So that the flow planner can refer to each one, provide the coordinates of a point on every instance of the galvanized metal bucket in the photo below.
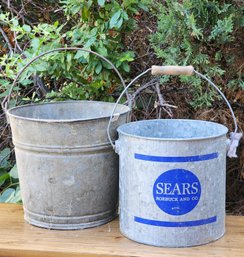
(67, 168)
(172, 179)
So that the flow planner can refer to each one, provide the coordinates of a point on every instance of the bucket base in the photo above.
(69, 223)
(173, 244)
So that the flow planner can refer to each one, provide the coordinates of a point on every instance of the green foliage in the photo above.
(9, 180)
(94, 25)
(199, 33)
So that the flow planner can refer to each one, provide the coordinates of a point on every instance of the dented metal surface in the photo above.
(67, 168)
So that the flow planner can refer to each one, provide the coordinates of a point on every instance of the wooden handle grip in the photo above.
(172, 70)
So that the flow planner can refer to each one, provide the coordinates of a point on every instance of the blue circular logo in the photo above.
(177, 191)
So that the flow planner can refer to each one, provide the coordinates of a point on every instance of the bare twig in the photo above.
(13, 10)
(3, 128)
(58, 10)
(7, 40)
(42, 89)
(141, 88)
(162, 104)
(149, 29)
(77, 82)
(141, 56)
(16, 44)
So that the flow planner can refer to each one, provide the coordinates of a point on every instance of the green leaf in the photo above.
(114, 19)
(143, 6)
(119, 23)
(3, 177)
(85, 13)
(101, 2)
(98, 68)
(125, 15)
(242, 85)
(41, 67)
(56, 23)
(5, 152)
(6, 196)
(75, 9)
(106, 65)
(25, 82)
(127, 56)
(5, 84)
(35, 43)
(126, 67)
(90, 42)
(26, 28)
(15, 22)
(4, 155)
(17, 196)
(102, 50)
(68, 61)
(5, 93)
(14, 172)
(82, 54)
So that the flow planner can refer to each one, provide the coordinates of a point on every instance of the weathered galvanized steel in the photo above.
(172, 181)
(67, 168)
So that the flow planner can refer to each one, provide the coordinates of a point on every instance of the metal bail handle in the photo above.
(5, 103)
(235, 137)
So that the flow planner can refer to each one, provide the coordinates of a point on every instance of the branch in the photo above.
(7, 40)
(17, 44)
(7, 3)
(162, 103)
(141, 88)
(42, 90)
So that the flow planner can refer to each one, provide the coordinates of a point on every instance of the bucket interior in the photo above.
(69, 110)
(174, 129)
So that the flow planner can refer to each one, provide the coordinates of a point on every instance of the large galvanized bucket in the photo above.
(172, 179)
(67, 168)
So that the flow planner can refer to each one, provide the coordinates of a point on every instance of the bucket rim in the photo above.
(225, 130)
(9, 114)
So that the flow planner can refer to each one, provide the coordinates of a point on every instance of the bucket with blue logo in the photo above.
(172, 181)
(172, 175)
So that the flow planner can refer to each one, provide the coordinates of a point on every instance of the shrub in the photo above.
(200, 33)
(96, 25)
